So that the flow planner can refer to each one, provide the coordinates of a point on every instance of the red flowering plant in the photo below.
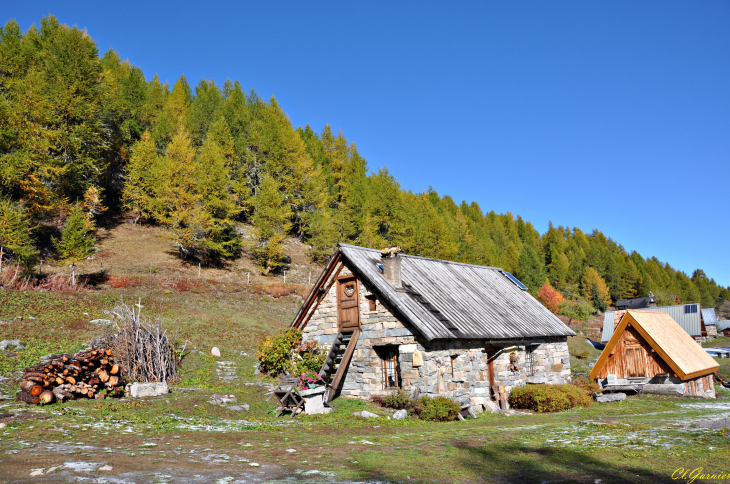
(309, 379)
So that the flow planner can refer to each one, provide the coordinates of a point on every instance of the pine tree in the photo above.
(76, 243)
(271, 221)
(15, 234)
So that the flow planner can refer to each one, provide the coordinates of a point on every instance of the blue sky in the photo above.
(613, 116)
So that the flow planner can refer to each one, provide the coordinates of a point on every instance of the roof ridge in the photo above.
(409, 256)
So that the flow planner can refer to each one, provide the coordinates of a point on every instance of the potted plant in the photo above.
(309, 380)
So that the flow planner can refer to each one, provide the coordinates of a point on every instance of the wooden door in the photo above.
(348, 304)
(635, 361)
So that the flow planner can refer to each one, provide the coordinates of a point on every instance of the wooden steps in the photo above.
(338, 359)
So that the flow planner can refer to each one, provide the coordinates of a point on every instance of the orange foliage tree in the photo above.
(550, 298)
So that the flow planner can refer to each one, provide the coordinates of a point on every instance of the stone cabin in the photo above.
(468, 332)
(649, 352)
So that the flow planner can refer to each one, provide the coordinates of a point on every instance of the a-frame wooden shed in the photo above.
(650, 351)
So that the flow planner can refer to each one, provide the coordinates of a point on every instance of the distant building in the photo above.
(637, 303)
(650, 353)
(709, 319)
(723, 327)
(688, 316)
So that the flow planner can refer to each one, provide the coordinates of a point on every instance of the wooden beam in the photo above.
(313, 294)
(344, 364)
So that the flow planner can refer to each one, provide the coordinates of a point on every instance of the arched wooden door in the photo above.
(348, 304)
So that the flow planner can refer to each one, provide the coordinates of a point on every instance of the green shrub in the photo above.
(311, 360)
(586, 384)
(286, 353)
(397, 399)
(580, 354)
(438, 409)
(549, 398)
(580, 310)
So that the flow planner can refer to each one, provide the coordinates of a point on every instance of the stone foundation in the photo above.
(453, 368)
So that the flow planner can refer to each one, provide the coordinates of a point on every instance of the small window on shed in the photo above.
(372, 302)
(690, 309)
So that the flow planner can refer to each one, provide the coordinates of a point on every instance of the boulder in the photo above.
(239, 408)
(314, 405)
(214, 351)
(365, 414)
(723, 423)
(400, 414)
(222, 399)
(5, 344)
(142, 390)
(491, 407)
(610, 397)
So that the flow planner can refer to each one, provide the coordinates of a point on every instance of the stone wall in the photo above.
(454, 368)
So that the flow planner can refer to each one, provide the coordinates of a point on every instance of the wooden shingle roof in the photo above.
(446, 300)
(677, 348)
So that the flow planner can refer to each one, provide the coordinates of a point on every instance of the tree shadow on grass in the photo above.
(515, 463)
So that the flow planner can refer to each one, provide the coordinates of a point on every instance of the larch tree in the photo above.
(143, 178)
(180, 203)
(271, 219)
(15, 234)
(76, 242)
(594, 288)
(531, 269)
(221, 238)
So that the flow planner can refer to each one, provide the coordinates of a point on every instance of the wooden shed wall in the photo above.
(629, 354)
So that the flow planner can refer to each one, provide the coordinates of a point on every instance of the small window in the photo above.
(390, 370)
(372, 303)
(529, 366)
(690, 309)
(453, 357)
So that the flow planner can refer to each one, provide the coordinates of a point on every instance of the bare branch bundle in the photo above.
(142, 347)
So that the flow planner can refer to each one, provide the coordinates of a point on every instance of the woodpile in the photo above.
(90, 373)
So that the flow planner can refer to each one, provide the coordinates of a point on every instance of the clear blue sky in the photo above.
(607, 115)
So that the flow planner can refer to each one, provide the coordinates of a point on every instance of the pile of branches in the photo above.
(90, 373)
(142, 347)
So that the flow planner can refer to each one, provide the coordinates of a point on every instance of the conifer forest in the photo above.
(84, 136)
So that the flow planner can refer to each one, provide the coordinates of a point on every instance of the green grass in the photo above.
(579, 346)
(642, 443)
(717, 342)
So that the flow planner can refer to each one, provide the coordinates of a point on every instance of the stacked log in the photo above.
(90, 373)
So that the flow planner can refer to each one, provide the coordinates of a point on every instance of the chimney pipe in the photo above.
(391, 261)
